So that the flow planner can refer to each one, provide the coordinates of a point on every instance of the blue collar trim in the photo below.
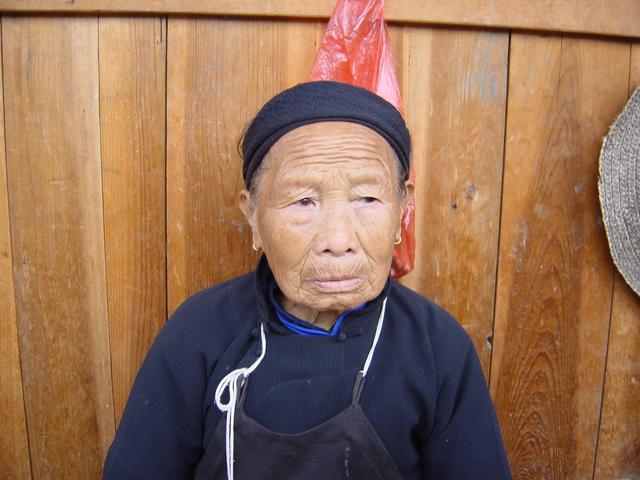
(294, 324)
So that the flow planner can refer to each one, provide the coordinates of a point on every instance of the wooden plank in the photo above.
(455, 87)
(53, 166)
(219, 74)
(619, 440)
(555, 274)
(132, 118)
(634, 74)
(604, 17)
(14, 449)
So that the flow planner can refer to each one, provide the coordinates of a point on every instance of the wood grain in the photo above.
(220, 72)
(14, 449)
(555, 274)
(634, 74)
(53, 165)
(455, 86)
(606, 17)
(132, 120)
(619, 439)
(64, 263)
(618, 453)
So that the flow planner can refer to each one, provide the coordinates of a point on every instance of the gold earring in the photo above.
(255, 249)
(398, 241)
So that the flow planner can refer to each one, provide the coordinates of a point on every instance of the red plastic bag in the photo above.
(356, 50)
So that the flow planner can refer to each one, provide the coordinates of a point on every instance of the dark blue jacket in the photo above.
(425, 393)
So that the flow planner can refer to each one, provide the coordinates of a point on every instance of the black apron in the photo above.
(344, 447)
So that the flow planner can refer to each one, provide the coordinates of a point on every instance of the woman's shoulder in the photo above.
(428, 320)
(423, 310)
(237, 290)
(213, 316)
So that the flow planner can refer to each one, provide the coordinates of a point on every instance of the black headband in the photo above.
(323, 101)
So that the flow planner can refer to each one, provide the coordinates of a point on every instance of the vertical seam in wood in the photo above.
(104, 231)
(13, 278)
(604, 377)
(15, 300)
(504, 157)
(166, 171)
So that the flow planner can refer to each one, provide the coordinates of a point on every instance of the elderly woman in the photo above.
(316, 365)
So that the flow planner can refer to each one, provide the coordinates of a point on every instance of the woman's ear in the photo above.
(409, 188)
(407, 196)
(247, 206)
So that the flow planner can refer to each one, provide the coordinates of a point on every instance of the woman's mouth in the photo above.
(337, 284)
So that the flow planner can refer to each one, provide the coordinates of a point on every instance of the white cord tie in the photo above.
(367, 362)
(230, 381)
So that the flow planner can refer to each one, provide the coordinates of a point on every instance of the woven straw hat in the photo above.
(619, 188)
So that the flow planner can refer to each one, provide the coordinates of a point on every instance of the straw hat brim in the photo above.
(619, 189)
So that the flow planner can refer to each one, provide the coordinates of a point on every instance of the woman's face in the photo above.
(326, 214)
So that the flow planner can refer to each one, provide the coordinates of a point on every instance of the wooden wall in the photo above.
(118, 183)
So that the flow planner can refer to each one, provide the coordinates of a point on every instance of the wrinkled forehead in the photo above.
(332, 146)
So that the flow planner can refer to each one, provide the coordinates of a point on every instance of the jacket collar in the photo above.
(355, 323)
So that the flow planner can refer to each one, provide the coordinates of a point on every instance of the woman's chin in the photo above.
(338, 298)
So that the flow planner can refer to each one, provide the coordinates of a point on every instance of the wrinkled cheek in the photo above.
(287, 251)
(292, 246)
(377, 233)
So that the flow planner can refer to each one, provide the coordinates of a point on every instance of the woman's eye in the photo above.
(305, 202)
(369, 199)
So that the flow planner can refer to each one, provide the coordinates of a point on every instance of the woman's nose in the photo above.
(336, 231)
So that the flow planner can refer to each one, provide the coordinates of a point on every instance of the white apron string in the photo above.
(230, 381)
